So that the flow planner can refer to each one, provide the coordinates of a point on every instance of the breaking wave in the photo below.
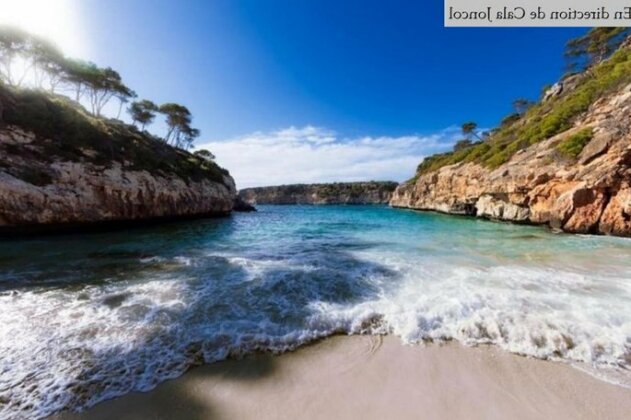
(84, 319)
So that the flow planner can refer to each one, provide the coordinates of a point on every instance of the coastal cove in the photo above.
(252, 210)
(132, 311)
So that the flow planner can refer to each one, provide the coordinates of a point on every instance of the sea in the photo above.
(88, 317)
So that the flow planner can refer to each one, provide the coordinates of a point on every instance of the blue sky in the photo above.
(258, 69)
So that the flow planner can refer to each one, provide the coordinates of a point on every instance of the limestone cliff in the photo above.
(337, 193)
(577, 180)
(61, 168)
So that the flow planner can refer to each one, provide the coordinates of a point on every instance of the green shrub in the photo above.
(543, 120)
(574, 144)
(510, 119)
(497, 160)
(64, 130)
(462, 144)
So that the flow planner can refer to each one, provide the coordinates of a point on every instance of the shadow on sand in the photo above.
(221, 295)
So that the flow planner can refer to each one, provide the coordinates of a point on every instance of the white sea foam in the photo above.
(540, 312)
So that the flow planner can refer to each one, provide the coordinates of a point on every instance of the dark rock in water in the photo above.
(242, 206)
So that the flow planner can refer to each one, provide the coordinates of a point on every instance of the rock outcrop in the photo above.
(337, 193)
(61, 168)
(241, 206)
(587, 194)
(39, 192)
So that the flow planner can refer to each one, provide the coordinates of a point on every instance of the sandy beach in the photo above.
(372, 377)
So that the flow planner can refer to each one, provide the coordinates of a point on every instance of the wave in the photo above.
(71, 348)
(118, 313)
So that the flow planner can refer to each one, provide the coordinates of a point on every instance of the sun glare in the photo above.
(57, 20)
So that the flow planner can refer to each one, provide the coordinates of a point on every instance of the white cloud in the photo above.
(312, 154)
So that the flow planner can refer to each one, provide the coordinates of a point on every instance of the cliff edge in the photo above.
(566, 162)
(61, 167)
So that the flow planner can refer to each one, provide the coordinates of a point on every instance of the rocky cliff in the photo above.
(337, 193)
(566, 163)
(60, 168)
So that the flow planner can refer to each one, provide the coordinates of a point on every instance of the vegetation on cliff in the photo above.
(605, 67)
(32, 75)
(568, 161)
(66, 132)
(574, 144)
(29, 61)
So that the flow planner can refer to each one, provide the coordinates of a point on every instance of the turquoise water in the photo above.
(86, 318)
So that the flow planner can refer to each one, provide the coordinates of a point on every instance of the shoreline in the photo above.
(101, 226)
(374, 377)
(545, 226)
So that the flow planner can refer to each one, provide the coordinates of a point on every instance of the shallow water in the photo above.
(86, 318)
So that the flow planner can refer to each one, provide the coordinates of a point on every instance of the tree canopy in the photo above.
(178, 119)
(23, 55)
(521, 105)
(469, 129)
(26, 59)
(143, 112)
(102, 85)
(593, 47)
(205, 154)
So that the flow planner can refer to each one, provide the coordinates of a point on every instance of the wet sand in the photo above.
(368, 377)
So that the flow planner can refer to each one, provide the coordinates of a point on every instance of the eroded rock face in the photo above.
(591, 194)
(66, 193)
(616, 217)
(499, 208)
(337, 193)
(242, 206)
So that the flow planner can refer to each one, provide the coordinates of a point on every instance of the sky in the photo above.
(288, 91)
